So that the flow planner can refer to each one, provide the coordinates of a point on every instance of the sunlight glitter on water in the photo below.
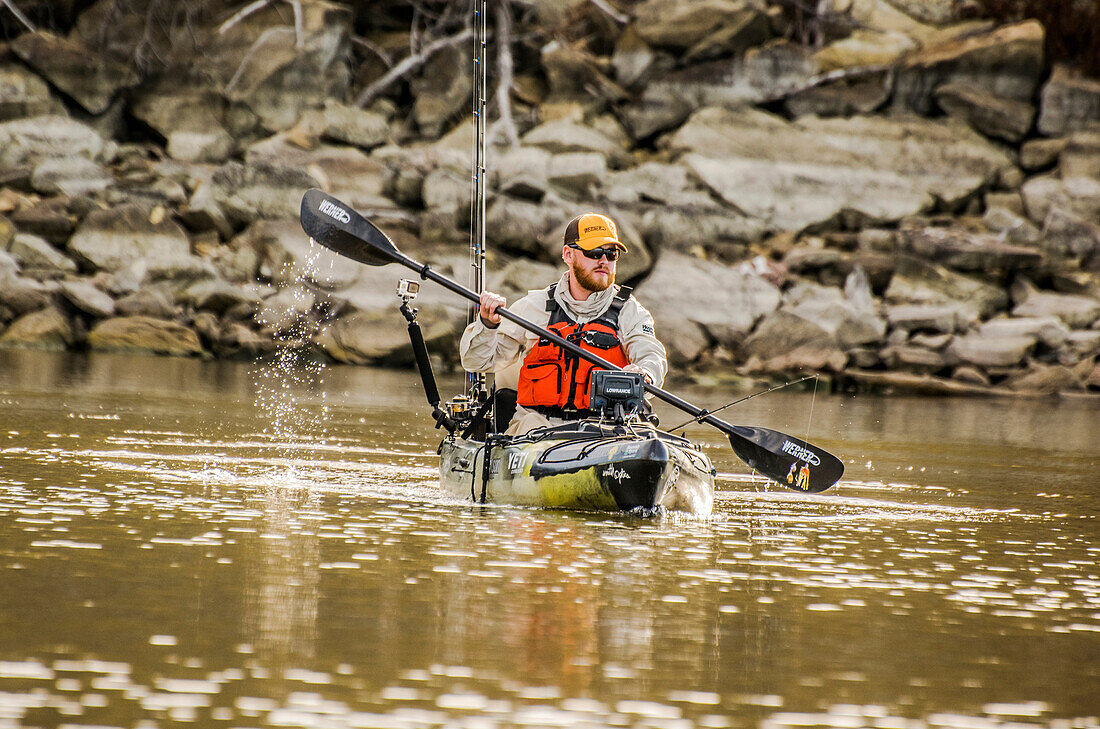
(252, 578)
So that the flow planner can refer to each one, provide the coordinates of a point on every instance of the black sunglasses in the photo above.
(597, 253)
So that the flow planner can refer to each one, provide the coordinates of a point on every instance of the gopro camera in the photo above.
(407, 289)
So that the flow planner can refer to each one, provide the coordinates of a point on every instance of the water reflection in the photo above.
(167, 556)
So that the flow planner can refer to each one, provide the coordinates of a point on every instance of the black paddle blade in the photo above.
(787, 460)
(335, 225)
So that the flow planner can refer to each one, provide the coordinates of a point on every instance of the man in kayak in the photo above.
(585, 307)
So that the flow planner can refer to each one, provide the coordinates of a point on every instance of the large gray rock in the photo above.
(23, 94)
(286, 256)
(87, 298)
(521, 172)
(1081, 155)
(650, 181)
(71, 176)
(8, 265)
(520, 225)
(346, 124)
(1070, 101)
(986, 352)
(864, 48)
(142, 335)
(796, 175)
(381, 337)
(345, 172)
(963, 250)
(1079, 195)
(191, 117)
(51, 218)
(577, 174)
(36, 138)
(564, 135)
(111, 239)
(992, 115)
(856, 93)
(1080, 345)
(678, 26)
(274, 73)
(18, 295)
(36, 253)
(1048, 330)
(217, 296)
(261, 190)
(634, 61)
(1071, 235)
(1046, 380)
(785, 341)
(945, 317)
(762, 75)
(286, 313)
(46, 329)
(448, 190)
(442, 91)
(152, 302)
(918, 282)
(725, 302)
(574, 74)
(1010, 223)
(1005, 62)
(937, 12)
(849, 318)
(684, 227)
(372, 330)
(1078, 312)
(91, 79)
(914, 357)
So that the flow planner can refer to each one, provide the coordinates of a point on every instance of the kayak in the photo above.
(585, 465)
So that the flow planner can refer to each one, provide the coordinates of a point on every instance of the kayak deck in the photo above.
(587, 465)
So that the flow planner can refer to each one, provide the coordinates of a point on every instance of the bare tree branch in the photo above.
(605, 7)
(505, 72)
(369, 94)
(244, 13)
(19, 15)
(299, 30)
(374, 48)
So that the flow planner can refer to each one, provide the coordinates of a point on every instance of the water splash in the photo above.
(295, 365)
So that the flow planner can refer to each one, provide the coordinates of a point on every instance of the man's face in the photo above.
(593, 275)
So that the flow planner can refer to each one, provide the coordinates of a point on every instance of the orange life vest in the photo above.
(556, 379)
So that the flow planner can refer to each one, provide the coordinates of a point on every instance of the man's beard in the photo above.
(587, 281)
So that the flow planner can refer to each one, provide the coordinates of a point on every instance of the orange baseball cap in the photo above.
(591, 231)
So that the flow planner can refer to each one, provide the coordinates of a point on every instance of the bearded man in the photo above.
(585, 307)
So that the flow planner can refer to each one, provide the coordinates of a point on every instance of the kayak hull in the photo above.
(585, 466)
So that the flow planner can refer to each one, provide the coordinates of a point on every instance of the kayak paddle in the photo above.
(782, 458)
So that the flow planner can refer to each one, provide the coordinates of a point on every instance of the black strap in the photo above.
(609, 318)
(562, 413)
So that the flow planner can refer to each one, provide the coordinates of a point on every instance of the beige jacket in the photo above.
(502, 350)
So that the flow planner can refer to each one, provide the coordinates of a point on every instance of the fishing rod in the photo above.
(741, 400)
(475, 381)
(782, 458)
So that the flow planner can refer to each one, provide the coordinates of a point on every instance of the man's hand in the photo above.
(635, 368)
(487, 308)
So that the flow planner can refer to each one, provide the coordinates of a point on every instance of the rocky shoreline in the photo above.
(910, 202)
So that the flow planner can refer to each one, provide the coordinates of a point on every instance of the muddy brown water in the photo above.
(188, 543)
